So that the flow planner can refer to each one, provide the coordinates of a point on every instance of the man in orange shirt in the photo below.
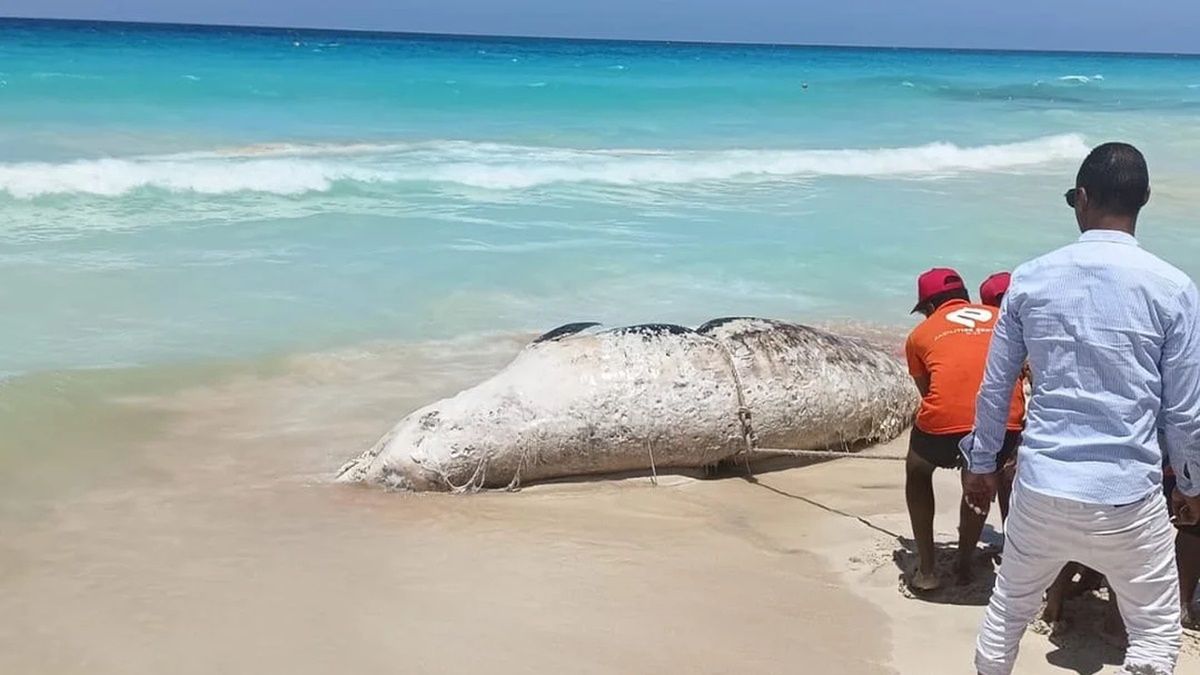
(946, 355)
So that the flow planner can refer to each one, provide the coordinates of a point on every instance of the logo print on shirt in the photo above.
(969, 316)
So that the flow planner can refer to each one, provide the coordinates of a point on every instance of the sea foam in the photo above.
(289, 169)
(114, 177)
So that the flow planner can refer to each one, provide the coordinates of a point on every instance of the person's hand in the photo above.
(1187, 509)
(979, 489)
(1009, 470)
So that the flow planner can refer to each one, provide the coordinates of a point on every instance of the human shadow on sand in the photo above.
(1084, 645)
(905, 557)
(975, 593)
(1080, 642)
(1081, 647)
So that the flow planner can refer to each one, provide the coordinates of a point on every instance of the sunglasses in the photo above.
(1071, 196)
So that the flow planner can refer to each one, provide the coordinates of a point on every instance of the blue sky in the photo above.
(1109, 25)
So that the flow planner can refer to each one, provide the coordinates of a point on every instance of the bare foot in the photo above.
(1060, 627)
(925, 581)
(1191, 619)
(1052, 613)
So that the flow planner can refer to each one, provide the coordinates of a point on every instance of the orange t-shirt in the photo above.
(950, 348)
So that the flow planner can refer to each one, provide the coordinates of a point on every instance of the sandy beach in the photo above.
(213, 540)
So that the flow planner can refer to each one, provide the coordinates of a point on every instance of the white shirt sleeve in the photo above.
(1180, 370)
(1006, 358)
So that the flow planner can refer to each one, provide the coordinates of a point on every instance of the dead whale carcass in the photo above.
(581, 400)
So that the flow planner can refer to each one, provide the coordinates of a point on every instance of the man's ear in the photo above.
(1147, 199)
(1081, 200)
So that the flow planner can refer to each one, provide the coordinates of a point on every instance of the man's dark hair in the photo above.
(1116, 179)
(942, 298)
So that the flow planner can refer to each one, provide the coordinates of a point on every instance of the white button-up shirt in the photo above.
(1112, 337)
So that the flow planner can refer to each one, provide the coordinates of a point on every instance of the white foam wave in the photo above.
(697, 167)
(1081, 79)
(286, 169)
(113, 177)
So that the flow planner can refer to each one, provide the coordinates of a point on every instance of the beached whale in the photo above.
(582, 400)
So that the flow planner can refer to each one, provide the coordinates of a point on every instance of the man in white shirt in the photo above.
(1112, 337)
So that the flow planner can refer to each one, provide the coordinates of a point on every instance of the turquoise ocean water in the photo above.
(180, 194)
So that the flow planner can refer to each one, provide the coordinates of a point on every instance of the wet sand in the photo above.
(205, 536)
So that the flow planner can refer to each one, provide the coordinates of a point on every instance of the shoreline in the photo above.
(220, 527)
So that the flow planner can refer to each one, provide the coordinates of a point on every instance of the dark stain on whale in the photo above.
(566, 330)
(709, 326)
(769, 332)
(649, 330)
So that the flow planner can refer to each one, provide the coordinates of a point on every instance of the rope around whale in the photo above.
(743, 410)
(750, 439)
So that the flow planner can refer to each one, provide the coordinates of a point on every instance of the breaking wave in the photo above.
(286, 169)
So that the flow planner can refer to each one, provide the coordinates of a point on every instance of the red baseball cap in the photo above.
(937, 280)
(993, 287)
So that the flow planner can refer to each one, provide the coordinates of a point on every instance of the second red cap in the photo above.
(993, 287)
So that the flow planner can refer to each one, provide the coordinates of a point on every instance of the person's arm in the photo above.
(916, 366)
(922, 383)
(1006, 358)
(1180, 370)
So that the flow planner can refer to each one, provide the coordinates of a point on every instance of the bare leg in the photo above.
(1113, 628)
(918, 492)
(1187, 556)
(1007, 475)
(1054, 597)
(1089, 580)
(970, 526)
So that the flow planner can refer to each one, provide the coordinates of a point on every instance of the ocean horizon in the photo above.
(402, 34)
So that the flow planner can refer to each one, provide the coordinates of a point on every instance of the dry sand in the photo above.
(215, 543)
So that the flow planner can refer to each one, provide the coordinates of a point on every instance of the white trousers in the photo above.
(1134, 546)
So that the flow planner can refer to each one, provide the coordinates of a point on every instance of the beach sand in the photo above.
(214, 541)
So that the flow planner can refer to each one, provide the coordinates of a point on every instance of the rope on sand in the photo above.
(828, 454)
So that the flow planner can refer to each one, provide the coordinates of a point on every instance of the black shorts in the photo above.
(941, 450)
(1168, 488)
